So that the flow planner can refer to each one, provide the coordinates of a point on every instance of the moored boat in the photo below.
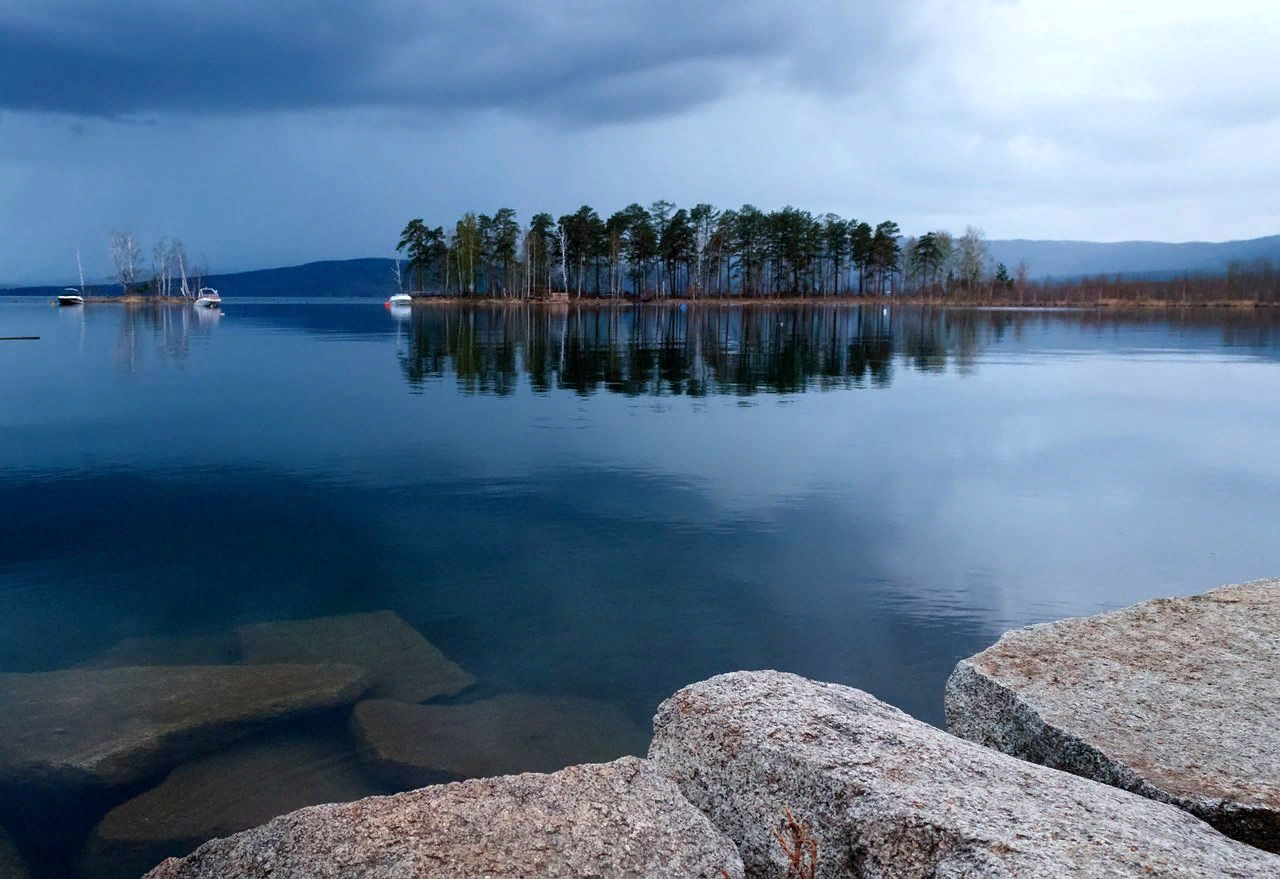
(208, 298)
(70, 297)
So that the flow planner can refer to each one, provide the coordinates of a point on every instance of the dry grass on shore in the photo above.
(135, 299)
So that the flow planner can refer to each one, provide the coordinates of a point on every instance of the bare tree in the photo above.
(971, 257)
(178, 256)
(1021, 275)
(126, 254)
(395, 273)
(160, 271)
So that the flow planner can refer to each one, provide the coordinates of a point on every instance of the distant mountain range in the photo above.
(1076, 258)
(1057, 259)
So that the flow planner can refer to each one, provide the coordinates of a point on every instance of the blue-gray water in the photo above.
(613, 503)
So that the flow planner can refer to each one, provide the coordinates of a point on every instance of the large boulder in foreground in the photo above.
(401, 663)
(223, 794)
(884, 795)
(1177, 699)
(618, 819)
(79, 729)
(413, 745)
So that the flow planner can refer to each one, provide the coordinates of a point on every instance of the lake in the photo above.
(583, 510)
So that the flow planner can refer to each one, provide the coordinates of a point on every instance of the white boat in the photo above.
(400, 299)
(208, 298)
(69, 296)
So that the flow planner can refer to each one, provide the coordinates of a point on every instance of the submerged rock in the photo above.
(401, 663)
(413, 745)
(11, 863)
(871, 792)
(219, 649)
(223, 794)
(78, 729)
(614, 820)
(1177, 699)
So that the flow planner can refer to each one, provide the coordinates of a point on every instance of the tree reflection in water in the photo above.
(708, 350)
(161, 329)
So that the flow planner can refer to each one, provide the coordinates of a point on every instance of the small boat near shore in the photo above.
(70, 297)
(399, 299)
(208, 298)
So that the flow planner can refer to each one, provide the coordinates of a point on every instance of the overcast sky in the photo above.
(275, 133)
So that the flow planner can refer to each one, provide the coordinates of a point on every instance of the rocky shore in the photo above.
(1163, 716)
(1174, 699)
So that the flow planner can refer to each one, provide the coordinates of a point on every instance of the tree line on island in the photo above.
(664, 251)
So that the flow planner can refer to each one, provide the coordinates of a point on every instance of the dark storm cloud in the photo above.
(585, 60)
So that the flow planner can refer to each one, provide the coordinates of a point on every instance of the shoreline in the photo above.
(748, 771)
(134, 299)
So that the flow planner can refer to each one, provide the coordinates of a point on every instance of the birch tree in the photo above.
(971, 257)
(178, 255)
(126, 255)
(562, 240)
(160, 267)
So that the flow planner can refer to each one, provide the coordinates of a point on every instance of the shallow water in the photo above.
(611, 503)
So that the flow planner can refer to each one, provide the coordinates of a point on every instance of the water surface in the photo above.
(611, 503)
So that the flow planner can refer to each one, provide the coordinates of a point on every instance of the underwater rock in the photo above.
(401, 663)
(219, 649)
(223, 794)
(413, 745)
(82, 729)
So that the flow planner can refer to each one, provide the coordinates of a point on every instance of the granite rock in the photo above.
(82, 729)
(401, 663)
(223, 794)
(884, 795)
(413, 745)
(216, 649)
(618, 819)
(1176, 699)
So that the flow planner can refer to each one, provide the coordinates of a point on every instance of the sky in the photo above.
(278, 133)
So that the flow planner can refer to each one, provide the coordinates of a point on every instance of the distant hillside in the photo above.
(349, 277)
(1136, 258)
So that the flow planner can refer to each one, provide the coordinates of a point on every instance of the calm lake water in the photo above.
(608, 504)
